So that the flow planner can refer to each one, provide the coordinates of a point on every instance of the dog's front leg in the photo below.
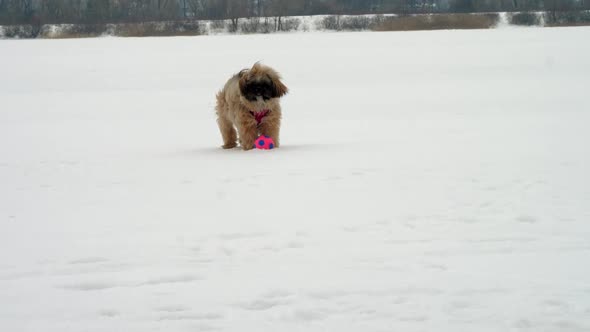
(272, 131)
(271, 126)
(248, 133)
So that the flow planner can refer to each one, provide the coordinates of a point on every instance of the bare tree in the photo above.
(236, 9)
(166, 9)
(93, 11)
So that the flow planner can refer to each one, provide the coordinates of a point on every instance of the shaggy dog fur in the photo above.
(249, 102)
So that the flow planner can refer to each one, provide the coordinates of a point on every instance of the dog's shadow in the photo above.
(218, 151)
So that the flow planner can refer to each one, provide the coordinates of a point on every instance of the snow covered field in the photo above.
(427, 181)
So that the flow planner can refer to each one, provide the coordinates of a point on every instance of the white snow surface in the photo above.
(427, 181)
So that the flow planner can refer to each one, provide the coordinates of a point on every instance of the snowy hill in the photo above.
(427, 181)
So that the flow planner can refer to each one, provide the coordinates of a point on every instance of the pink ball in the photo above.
(264, 143)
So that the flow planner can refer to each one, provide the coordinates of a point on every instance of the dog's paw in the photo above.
(229, 145)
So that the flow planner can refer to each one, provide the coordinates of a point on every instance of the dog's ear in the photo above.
(279, 89)
(242, 73)
(243, 81)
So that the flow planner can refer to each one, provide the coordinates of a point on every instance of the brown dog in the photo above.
(249, 102)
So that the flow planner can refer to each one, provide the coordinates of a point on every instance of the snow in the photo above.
(427, 181)
(503, 20)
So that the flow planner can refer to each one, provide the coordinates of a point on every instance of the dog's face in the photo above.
(261, 84)
(261, 87)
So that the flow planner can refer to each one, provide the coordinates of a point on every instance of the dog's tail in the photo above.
(221, 104)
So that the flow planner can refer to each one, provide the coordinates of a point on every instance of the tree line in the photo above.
(121, 11)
